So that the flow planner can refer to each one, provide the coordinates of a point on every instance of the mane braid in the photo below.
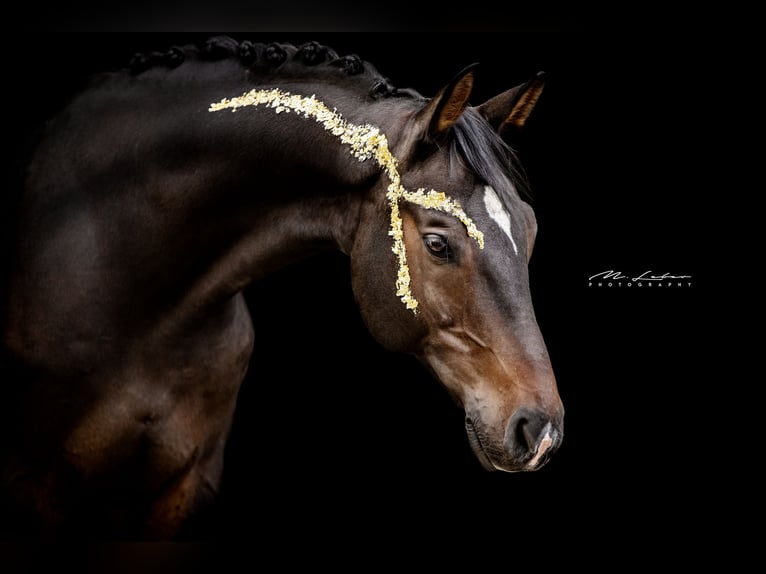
(309, 58)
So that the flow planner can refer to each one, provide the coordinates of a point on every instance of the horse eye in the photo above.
(437, 245)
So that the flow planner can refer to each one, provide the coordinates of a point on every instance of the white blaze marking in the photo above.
(498, 213)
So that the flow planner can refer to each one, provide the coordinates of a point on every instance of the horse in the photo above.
(164, 189)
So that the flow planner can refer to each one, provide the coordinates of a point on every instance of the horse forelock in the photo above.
(309, 60)
(476, 145)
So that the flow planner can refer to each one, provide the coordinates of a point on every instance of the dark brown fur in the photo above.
(144, 217)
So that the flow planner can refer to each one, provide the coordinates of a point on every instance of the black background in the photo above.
(337, 437)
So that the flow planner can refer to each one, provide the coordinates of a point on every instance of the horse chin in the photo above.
(478, 448)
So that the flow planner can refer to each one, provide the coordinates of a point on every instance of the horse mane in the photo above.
(307, 60)
(479, 146)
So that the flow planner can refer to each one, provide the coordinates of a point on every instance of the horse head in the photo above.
(451, 283)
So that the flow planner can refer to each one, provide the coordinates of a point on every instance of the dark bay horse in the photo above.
(163, 190)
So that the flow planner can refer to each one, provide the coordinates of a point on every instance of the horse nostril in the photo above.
(529, 435)
(525, 435)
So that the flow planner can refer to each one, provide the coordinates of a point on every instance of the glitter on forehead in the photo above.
(366, 142)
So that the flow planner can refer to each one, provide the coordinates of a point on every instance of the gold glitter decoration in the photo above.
(366, 142)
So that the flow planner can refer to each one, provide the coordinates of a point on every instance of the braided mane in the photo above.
(475, 144)
(310, 59)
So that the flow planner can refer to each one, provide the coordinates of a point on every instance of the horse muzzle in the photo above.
(529, 441)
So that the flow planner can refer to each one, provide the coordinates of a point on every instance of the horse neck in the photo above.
(224, 198)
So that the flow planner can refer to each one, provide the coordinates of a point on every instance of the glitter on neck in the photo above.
(365, 142)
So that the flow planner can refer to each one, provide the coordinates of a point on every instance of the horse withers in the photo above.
(163, 190)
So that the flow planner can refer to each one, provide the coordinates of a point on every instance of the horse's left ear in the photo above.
(509, 111)
(444, 109)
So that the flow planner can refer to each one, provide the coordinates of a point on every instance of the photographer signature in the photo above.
(645, 276)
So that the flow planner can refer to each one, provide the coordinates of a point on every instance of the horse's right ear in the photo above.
(444, 109)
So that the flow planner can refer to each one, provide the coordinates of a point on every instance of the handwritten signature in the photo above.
(645, 276)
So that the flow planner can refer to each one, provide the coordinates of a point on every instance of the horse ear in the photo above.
(509, 111)
(444, 109)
